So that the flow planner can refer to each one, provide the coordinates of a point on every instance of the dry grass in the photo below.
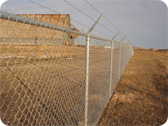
(140, 97)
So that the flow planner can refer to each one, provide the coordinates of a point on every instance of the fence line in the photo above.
(48, 83)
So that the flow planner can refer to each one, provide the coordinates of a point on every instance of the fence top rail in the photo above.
(14, 17)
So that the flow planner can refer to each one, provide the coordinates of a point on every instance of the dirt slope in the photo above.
(140, 98)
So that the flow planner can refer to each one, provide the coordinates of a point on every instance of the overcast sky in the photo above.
(143, 22)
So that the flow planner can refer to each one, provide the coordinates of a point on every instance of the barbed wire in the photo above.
(70, 18)
(104, 16)
(100, 13)
(43, 6)
(88, 16)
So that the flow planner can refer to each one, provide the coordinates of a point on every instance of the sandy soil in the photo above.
(45, 85)
(140, 98)
(46, 81)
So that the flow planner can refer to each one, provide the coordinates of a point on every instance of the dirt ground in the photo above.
(48, 83)
(45, 85)
(37, 84)
(140, 97)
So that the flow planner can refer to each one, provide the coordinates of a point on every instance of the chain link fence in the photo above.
(43, 71)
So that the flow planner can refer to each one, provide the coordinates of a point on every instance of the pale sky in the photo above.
(144, 22)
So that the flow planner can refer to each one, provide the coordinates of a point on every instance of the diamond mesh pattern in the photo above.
(42, 73)
(42, 78)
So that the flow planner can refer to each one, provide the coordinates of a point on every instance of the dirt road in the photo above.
(140, 98)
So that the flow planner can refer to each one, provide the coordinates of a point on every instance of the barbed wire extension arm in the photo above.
(103, 16)
(88, 16)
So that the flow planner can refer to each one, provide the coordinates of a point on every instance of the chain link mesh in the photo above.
(99, 75)
(42, 73)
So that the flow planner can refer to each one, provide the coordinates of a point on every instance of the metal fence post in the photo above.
(87, 68)
(119, 61)
(87, 78)
(111, 67)
(123, 56)
(111, 64)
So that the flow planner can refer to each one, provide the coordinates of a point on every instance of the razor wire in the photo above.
(43, 71)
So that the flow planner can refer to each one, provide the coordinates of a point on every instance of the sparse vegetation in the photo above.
(140, 97)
